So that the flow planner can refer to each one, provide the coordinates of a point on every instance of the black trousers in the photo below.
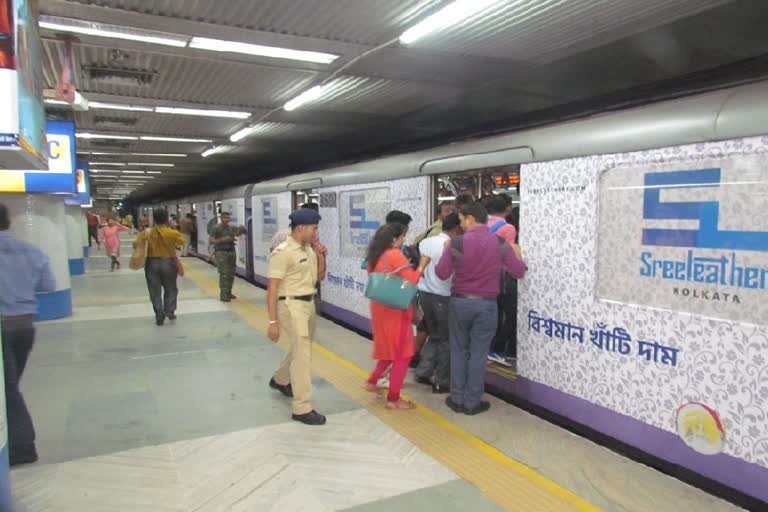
(436, 353)
(93, 234)
(505, 341)
(18, 338)
(161, 276)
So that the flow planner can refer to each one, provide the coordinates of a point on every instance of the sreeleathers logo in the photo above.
(723, 269)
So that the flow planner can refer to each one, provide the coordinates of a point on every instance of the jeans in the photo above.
(436, 354)
(472, 326)
(161, 276)
(18, 339)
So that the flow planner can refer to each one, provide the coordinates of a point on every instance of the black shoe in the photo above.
(415, 360)
(440, 390)
(311, 418)
(160, 320)
(423, 380)
(171, 316)
(225, 299)
(454, 406)
(232, 297)
(286, 389)
(481, 407)
(24, 454)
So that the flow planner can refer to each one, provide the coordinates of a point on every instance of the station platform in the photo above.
(135, 417)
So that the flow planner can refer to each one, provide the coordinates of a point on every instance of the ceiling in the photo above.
(514, 63)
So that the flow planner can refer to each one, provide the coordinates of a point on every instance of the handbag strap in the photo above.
(386, 264)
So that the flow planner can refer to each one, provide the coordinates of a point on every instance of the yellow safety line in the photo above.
(492, 480)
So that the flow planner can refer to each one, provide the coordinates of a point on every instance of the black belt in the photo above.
(474, 297)
(305, 298)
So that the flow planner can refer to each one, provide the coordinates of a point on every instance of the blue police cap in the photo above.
(304, 216)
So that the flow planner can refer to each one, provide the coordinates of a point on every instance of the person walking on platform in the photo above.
(93, 228)
(186, 225)
(223, 238)
(295, 268)
(160, 267)
(434, 295)
(392, 332)
(476, 260)
(110, 237)
(24, 270)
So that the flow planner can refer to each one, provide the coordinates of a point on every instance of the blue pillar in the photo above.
(40, 220)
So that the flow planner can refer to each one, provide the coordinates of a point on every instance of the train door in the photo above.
(305, 196)
(501, 184)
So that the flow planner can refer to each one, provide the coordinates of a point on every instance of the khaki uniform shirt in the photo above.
(221, 231)
(296, 266)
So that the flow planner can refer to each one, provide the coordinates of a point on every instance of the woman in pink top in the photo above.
(111, 240)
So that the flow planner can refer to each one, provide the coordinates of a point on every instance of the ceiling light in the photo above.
(102, 136)
(132, 172)
(305, 97)
(119, 106)
(56, 102)
(107, 163)
(112, 31)
(452, 14)
(202, 112)
(174, 139)
(154, 172)
(152, 165)
(158, 154)
(217, 149)
(220, 45)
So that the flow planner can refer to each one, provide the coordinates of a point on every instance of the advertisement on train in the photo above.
(690, 238)
(205, 214)
(650, 301)
(347, 228)
(270, 216)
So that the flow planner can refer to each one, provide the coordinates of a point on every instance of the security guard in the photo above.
(295, 267)
(223, 239)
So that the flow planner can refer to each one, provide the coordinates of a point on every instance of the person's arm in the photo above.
(120, 227)
(513, 264)
(320, 252)
(47, 282)
(397, 260)
(273, 332)
(444, 267)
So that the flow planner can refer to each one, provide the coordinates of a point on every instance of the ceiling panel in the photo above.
(369, 22)
(105, 120)
(540, 31)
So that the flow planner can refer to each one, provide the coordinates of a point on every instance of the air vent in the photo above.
(104, 122)
(119, 76)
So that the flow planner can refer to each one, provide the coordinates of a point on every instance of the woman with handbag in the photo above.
(110, 238)
(392, 279)
(162, 265)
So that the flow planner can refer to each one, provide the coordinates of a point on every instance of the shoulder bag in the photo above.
(139, 255)
(389, 289)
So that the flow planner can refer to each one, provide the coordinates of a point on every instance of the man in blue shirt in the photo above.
(24, 270)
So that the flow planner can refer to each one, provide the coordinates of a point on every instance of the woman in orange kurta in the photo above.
(392, 333)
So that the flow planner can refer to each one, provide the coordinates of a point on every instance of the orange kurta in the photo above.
(392, 331)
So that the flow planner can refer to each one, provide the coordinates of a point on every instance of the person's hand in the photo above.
(321, 249)
(423, 262)
(273, 333)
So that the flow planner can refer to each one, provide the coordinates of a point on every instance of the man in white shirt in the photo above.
(434, 293)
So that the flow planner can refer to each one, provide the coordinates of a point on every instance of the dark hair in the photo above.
(464, 199)
(225, 213)
(398, 217)
(477, 211)
(444, 204)
(5, 220)
(486, 201)
(160, 216)
(382, 240)
(311, 206)
(499, 204)
(189, 215)
(452, 221)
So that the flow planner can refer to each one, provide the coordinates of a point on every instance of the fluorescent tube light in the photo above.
(111, 31)
(174, 139)
(202, 112)
(220, 45)
(451, 14)
(305, 97)
(151, 165)
(55, 102)
(132, 172)
(119, 106)
(241, 134)
(107, 163)
(102, 136)
(159, 154)
(154, 172)
(216, 149)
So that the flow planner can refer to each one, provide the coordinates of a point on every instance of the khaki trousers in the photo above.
(297, 328)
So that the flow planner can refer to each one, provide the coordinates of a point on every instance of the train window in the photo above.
(301, 197)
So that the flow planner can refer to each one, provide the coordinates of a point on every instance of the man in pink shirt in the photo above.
(497, 211)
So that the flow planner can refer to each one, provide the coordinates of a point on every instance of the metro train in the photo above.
(644, 313)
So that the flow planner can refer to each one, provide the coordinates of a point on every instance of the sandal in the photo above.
(401, 404)
(371, 388)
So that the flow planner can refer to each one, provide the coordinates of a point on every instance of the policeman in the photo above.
(24, 270)
(295, 267)
(223, 239)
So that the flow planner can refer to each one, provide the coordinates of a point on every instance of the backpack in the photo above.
(507, 283)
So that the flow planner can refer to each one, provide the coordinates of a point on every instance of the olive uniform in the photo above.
(226, 257)
(296, 267)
